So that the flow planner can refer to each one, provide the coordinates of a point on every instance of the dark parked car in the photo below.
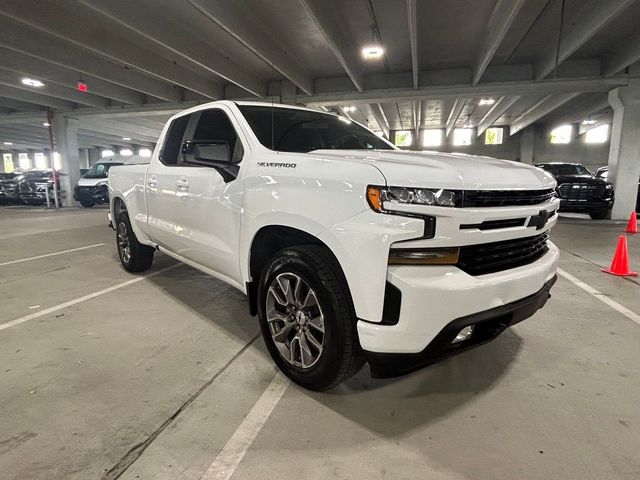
(28, 187)
(3, 196)
(603, 173)
(579, 191)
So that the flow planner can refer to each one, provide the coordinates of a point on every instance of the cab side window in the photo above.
(173, 140)
(215, 125)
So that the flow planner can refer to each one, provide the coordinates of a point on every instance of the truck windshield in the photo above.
(559, 169)
(293, 130)
(99, 170)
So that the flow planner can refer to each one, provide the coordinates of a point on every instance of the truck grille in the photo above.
(505, 198)
(581, 191)
(499, 256)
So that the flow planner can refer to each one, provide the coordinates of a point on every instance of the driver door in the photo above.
(210, 198)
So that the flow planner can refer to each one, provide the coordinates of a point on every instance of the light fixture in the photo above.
(350, 108)
(372, 52)
(8, 143)
(589, 122)
(487, 101)
(126, 152)
(46, 124)
(126, 138)
(32, 82)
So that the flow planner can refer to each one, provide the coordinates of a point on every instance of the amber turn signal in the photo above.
(424, 256)
(374, 197)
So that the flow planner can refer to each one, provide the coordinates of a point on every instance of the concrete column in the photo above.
(624, 151)
(527, 142)
(288, 92)
(65, 131)
(94, 156)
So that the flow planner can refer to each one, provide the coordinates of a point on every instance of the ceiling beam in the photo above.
(592, 16)
(380, 118)
(454, 114)
(45, 47)
(583, 108)
(22, 106)
(334, 32)
(502, 17)
(115, 131)
(495, 112)
(35, 98)
(32, 67)
(626, 55)
(250, 32)
(539, 110)
(547, 87)
(127, 129)
(186, 43)
(13, 79)
(113, 41)
(413, 37)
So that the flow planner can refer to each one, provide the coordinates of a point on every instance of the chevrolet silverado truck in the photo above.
(349, 249)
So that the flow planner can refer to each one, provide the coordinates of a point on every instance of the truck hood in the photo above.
(447, 170)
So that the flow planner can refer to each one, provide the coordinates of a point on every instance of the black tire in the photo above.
(341, 356)
(599, 214)
(139, 257)
(87, 204)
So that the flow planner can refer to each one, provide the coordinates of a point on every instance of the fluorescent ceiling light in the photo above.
(8, 143)
(487, 101)
(350, 109)
(588, 122)
(373, 51)
(32, 82)
(46, 124)
(126, 138)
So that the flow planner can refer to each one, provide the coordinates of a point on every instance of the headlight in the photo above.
(413, 196)
(102, 183)
(609, 186)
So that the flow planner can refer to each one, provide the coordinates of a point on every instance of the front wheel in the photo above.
(134, 256)
(307, 318)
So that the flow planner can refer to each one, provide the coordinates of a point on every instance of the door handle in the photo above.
(152, 182)
(182, 183)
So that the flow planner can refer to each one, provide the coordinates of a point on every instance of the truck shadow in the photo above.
(395, 406)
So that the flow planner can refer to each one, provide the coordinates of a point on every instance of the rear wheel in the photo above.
(599, 214)
(134, 256)
(307, 319)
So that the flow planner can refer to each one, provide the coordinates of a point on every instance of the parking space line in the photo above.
(51, 254)
(84, 298)
(631, 315)
(235, 449)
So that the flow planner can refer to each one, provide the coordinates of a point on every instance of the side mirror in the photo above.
(208, 153)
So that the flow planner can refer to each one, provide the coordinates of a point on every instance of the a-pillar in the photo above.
(65, 132)
(624, 152)
(527, 141)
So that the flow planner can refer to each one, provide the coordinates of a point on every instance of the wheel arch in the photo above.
(269, 240)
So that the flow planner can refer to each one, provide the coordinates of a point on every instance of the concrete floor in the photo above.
(150, 380)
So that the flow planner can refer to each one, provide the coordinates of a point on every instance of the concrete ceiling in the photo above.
(146, 59)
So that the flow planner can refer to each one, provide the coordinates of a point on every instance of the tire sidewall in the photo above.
(323, 372)
(124, 218)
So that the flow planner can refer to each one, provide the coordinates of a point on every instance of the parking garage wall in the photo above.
(590, 155)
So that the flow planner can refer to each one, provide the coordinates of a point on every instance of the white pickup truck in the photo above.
(349, 249)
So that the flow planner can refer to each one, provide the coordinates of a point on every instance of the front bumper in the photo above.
(434, 296)
(569, 205)
(98, 194)
(487, 326)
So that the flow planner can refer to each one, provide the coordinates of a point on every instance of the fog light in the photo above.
(464, 334)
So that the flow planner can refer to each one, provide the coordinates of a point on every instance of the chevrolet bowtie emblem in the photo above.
(540, 220)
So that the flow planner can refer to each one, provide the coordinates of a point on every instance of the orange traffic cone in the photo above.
(632, 226)
(620, 262)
